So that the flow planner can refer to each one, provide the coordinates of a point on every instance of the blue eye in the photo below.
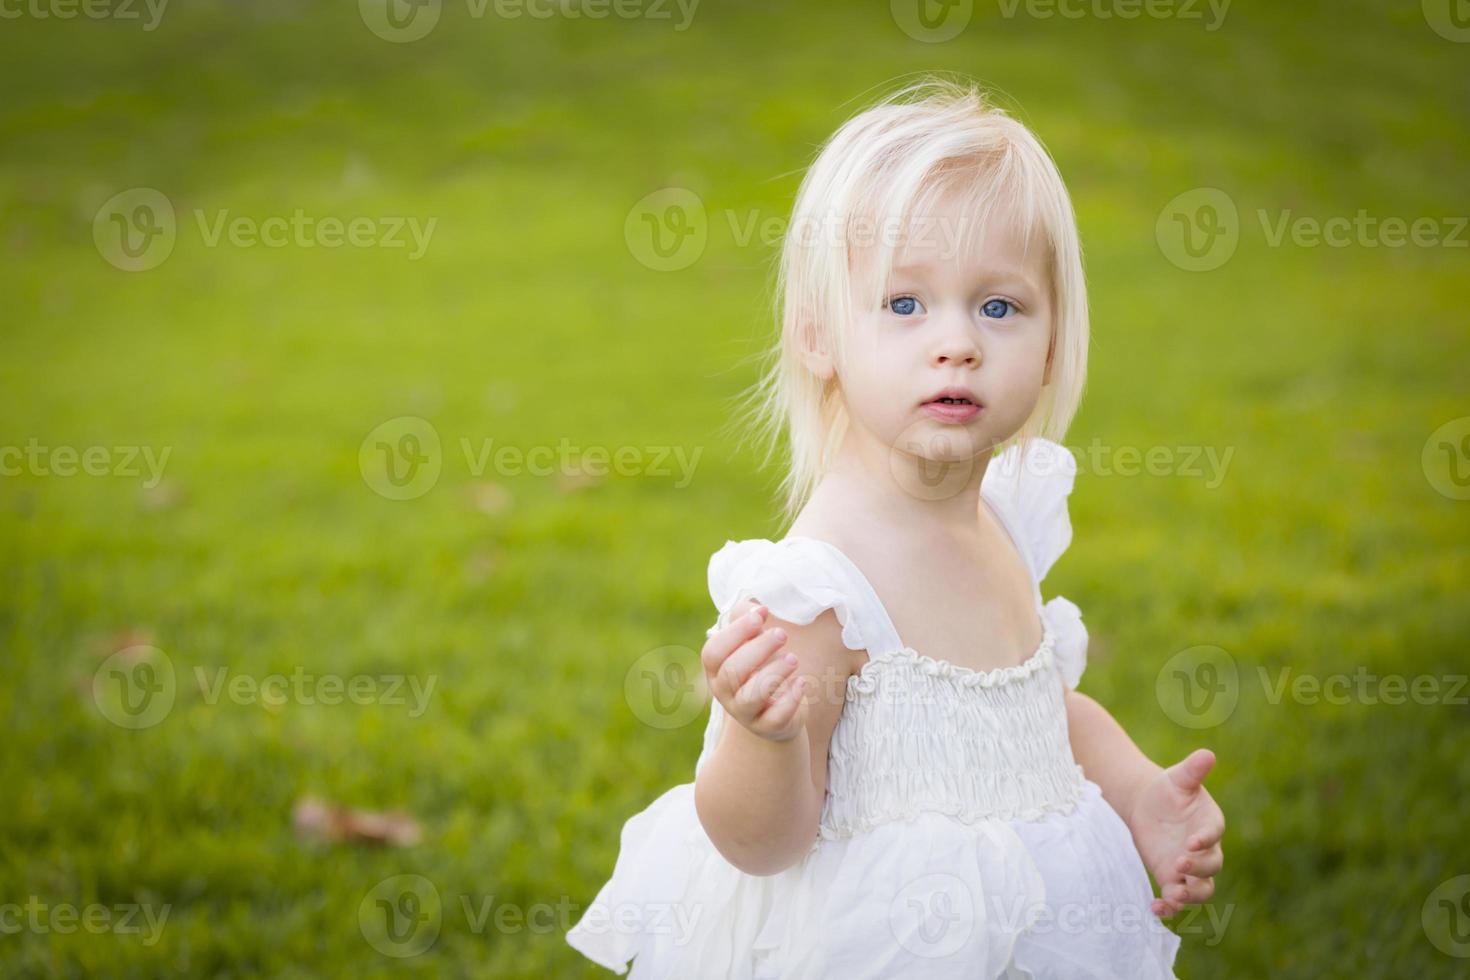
(904, 305)
(997, 308)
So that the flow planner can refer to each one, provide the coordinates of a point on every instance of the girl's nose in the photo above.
(958, 346)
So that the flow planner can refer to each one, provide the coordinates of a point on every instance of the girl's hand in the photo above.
(1177, 827)
(747, 672)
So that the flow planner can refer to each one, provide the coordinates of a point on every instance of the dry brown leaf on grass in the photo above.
(478, 566)
(316, 819)
(129, 639)
(132, 645)
(570, 480)
(164, 495)
(489, 498)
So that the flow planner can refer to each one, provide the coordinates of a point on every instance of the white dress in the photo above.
(958, 838)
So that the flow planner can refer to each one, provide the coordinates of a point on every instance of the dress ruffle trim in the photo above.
(863, 682)
(793, 585)
(1070, 637)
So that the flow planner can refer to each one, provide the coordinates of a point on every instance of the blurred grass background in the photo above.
(530, 319)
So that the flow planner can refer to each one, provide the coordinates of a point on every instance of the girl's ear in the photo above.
(814, 354)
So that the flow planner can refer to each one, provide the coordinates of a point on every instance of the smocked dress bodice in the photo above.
(920, 735)
(916, 734)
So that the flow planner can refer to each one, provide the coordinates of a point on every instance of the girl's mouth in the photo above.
(952, 409)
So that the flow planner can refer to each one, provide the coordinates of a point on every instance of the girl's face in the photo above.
(976, 320)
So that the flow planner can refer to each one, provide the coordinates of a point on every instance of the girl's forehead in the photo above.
(951, 247)
(947, 240)
(964, 224)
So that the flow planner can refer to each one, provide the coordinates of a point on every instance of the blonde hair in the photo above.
(887, 163)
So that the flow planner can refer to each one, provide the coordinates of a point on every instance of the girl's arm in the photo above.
(759, 798)
(1107, 755)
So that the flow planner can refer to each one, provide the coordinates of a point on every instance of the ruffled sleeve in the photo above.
(1065, 620)
(796, 579)
(1033, 491)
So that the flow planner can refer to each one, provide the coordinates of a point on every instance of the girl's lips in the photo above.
(948, 412)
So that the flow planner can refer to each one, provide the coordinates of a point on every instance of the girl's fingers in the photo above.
(1205, 865)
(737, 668)
(728, 639)
(754, 653)
(1192, 891)
(1207, 838)
(1198, 890)
(762, 686)
(784, 706)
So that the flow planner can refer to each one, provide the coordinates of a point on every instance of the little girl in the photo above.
(911, 787)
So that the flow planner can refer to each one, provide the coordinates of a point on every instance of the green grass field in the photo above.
(1327, 546)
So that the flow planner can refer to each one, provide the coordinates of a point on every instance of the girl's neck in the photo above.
(871, 481)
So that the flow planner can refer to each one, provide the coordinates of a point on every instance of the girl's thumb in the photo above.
(1190, 772)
